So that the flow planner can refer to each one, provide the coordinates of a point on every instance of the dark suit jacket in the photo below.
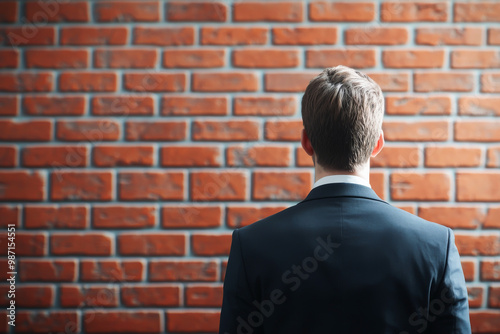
(344, 261)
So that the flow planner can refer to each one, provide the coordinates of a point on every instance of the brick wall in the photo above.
(137, 135)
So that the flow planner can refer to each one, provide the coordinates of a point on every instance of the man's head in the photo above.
(342, 111)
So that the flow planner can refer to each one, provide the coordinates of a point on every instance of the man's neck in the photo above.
(362, 171)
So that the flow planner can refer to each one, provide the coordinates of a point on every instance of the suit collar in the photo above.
(342, 190)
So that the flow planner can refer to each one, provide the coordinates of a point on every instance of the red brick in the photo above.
(153, 295)
(391, 81)
(155, 82)
(289, 186)
(414, 11)
(449, 36)
(477, 12)
(89, 244)
(493, 157)
(127, 11)
(304, 35)
(81, 186)
(202, 295)
(469, 269)
(151, 186)
(122, 321)
(192, 321)
(93, 36)
(378, 182)
(266, 156)
(128, 105)
(240, 216)
(55, 217)
(54, 156)
(47, 270)
(475, 245)
(125, 58)
(87, 82)
(54, 105)
(193, 58)
(77, 296)
(8, 156)
(112, 271)
(492, 218)
(26, 82)
(415, 105)
(48, 322)
(475, 187)
(416, 131)
(114, 156)
(494, 36)
(163, 36)
(218, 186)
(34, 296)
(420, 186)
(376, 36)
(22, 186)
(413, 58)
(25, 130)
(9, 58)
(233, 35)
(269, 12)
(156, 131)
(151, 244)
(285, 130)
(28, 244)
(123, 217)
(475, 59)
(8, 105)
(193, 106)
(182, 271)
(479, 106)
(288, 82)
(42, 12)
(88, 130)
(25, 35)
(478, 131)
(453, 216)
(190, 156)
(490, 270)
(9, 11)
(190, 216)
(494, 296)
(490, 82)
(226, 130)
(10, 215)
(357, 58)
(210, 244)
(264, 106)
(56, 59)
(392, 156)
(196, 11)
(475, 296)
(225, 82)
(342, 12)
(265, 58)
(452, 156)
(302, 159)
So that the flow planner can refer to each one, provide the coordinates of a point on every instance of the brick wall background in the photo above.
(137, 135)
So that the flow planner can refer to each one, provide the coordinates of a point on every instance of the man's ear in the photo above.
(379, 145)
(306, 143)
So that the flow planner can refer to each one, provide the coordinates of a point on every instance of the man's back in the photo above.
(344, 261)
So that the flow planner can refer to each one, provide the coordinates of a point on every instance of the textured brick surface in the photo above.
(137, 135)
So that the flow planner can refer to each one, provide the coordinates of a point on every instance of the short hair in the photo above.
(342, 111)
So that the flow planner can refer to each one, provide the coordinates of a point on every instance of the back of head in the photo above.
(342, 111)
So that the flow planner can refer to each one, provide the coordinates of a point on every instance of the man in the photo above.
(343, 260)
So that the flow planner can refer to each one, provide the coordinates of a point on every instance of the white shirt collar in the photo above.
(341, 179)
